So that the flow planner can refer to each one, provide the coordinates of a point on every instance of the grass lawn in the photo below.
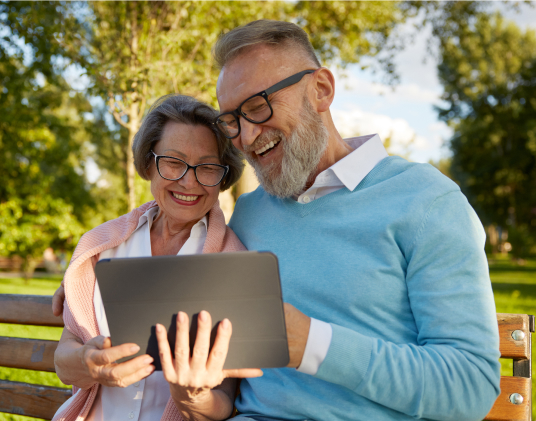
(514, 287)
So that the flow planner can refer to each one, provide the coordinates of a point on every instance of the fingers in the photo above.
(106, 356)
(127, 373)
(202, 341)
(165, 353)
(57, 301)
(242, 373)
(221, 346)
(182, 343)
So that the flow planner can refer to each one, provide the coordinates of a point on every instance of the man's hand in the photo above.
(297, 325)
(57, 301)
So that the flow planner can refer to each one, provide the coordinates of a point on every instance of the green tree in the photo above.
(488, 71)
(45, 130)
(134, 52)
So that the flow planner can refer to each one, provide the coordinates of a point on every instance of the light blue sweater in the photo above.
(397, 267)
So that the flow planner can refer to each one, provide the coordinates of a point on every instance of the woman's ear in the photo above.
(323, 89)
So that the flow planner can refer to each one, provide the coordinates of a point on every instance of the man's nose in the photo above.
(248, 132)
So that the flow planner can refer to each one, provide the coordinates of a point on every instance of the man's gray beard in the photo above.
(302, 152)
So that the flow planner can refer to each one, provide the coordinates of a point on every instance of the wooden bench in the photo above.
(515, 401)
(33, 354)
(513, 404)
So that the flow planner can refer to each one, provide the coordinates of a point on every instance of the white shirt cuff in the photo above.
(317, 347)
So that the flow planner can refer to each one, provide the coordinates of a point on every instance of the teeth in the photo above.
(266, 147)
(185, 198)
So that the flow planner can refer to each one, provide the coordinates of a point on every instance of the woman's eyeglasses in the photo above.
(173, 169)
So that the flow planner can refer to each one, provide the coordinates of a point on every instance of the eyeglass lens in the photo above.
(206, 174)
(255, 109)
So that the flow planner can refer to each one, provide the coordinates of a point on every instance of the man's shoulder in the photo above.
(419, 178)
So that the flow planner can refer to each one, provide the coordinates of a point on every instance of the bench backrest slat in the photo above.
(503, 409)
(510, 348)
(516, 346)
(31, 400)
(31, 354)
(28, 310)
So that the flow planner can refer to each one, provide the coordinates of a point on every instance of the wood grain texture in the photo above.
(503, 409)
(31, 354)
(28, 310)
(31, 400)
(508, 347)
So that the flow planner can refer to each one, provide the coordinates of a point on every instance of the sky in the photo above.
(364, 105)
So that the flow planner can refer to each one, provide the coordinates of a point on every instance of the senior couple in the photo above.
(389, 309)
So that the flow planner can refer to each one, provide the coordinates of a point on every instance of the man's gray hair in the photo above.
(186, 110)
(271, 32)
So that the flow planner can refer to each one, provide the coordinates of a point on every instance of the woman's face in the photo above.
(185, 201)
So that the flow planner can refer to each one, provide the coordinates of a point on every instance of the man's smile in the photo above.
(266, 149)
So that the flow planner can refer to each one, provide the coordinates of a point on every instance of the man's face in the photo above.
(285, 150)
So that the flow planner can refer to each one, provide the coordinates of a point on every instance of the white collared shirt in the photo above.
(146, 399)
(345, 173)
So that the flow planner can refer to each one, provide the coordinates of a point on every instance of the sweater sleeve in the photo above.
(452, 372)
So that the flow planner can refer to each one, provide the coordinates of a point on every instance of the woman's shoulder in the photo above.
(111, 233)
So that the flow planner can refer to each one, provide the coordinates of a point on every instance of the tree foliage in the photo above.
(45, 129)
(488, 71)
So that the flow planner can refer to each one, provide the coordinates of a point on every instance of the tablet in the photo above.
(242, 286)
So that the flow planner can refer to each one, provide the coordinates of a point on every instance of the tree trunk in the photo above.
(133, 109)
(131, 171)
(28, 268)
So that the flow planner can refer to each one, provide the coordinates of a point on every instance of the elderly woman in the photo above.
(188, 163)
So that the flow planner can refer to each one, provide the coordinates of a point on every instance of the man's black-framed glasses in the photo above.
(173, 169)
(255, 109)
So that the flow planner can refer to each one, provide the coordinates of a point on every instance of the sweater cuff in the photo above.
(348, 358)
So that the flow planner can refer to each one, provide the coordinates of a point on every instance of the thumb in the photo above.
(99, 342)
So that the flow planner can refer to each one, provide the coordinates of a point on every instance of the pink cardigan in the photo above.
(79, 282)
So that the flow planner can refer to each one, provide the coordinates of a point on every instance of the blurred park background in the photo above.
(450, 83)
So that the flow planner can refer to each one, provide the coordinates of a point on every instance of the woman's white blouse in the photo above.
(146, 399)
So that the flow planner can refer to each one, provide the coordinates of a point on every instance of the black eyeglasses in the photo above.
(173, 169)
(255, 109)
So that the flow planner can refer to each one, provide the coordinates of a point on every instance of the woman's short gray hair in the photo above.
(186, 110)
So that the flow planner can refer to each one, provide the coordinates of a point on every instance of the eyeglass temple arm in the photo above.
(288, 81)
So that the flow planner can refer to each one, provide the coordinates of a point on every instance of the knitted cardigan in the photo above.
(79, 283)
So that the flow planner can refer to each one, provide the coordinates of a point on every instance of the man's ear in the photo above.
(323, 89)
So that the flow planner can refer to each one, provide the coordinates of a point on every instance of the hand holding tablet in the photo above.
(243, 287)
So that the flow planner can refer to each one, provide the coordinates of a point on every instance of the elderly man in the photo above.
(390, 313)
(382, 259)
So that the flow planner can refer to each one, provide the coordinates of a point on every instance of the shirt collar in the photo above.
(354, 167)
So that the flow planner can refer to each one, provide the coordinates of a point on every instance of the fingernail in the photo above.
(180, 317)
(203, 316)
(158, 327)
(149, 369)
(148, 360)
(134, 348)
(225, 324)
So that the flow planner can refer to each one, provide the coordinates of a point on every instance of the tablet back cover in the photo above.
(243, 286)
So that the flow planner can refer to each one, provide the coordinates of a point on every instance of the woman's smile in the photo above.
(185, 199)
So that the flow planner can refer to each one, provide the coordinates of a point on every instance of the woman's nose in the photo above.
(188, 180)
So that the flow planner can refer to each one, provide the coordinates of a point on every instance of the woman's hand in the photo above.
(192, 379)
(83, 365)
